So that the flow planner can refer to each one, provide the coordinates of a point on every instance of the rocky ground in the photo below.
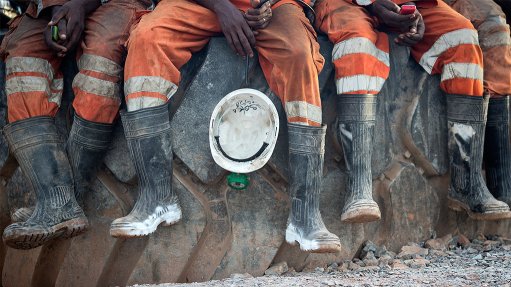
(447, 261)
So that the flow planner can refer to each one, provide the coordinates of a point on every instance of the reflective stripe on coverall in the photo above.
(165, 39)
(494, 39)
(361, 52)
(34, 81)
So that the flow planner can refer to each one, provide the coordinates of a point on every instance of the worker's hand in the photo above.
(388, 13)
(259, 16)
(70, 20)
(235, 28)
(59, 45)
(414, 35)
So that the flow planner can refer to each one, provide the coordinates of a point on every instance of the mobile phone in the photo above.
(407, 9)
(55, 33)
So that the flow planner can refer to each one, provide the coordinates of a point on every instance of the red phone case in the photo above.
(407, 9)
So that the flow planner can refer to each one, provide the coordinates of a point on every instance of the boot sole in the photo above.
(457, 205)
(65, 229)
(168, 219)
(361, 214)
(294, 239)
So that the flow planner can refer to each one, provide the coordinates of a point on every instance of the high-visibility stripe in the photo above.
(28, 64)
(462, 70)
(56, 88)
(139, 103)
(299, 109)
(96, 86)
(26, 85)
(359, 45)
(99, 64)
(359, 83)
(495, 39)
(150, 84)
(446, 42)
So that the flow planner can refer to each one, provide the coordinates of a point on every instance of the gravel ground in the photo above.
(444, 263)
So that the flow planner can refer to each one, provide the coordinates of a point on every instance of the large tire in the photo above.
(225, 231)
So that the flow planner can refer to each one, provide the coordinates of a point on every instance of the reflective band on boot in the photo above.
(466, 120)
(305, 225)
(497, 150)
(148, 135)
(39, 150)
(86, 147)
(355, 131)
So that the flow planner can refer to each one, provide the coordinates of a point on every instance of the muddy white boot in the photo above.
(466, 116)
(355, 131)
(147, 132)
(305, 225)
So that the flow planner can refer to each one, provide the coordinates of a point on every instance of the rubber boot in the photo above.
(355, 131)
(147, 132)
(305, 225)
(497, 150)
(466, 120)
(86, 146)
(40, 153)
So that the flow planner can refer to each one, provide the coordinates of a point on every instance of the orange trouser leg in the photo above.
(33, 83)
(290, 59)
(160, 45)
(450, 47)
(361, 53)
(163, 42)
(97, 85)
(494, 38)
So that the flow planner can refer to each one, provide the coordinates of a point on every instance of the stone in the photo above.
(438, 243)
(353, 266)
(480, 237)
(463, 240)
(417, 263)
(241, 276)
(370, 260)
(398, 265)
(277, 269)
(385, 260)
(381, 251)
(437, 253)
(412, 251)
(369, 246)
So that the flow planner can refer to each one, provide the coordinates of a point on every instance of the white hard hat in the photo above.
(243, 131)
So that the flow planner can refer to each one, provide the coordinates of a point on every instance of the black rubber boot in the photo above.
(40, 152)
(147, 132)
(497, 150)
(305, 225)
(86, 147)
(355, 131)
(466, 120)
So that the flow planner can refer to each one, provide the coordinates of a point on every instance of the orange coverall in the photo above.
(34, 81)
(494, 39)
(361, 52)
(165, 39)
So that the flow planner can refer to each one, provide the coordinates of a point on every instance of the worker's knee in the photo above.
(494, 31)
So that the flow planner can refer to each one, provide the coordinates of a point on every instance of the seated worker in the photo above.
(34, 86)
(442, 42)
(164, 41)
(495, 41)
